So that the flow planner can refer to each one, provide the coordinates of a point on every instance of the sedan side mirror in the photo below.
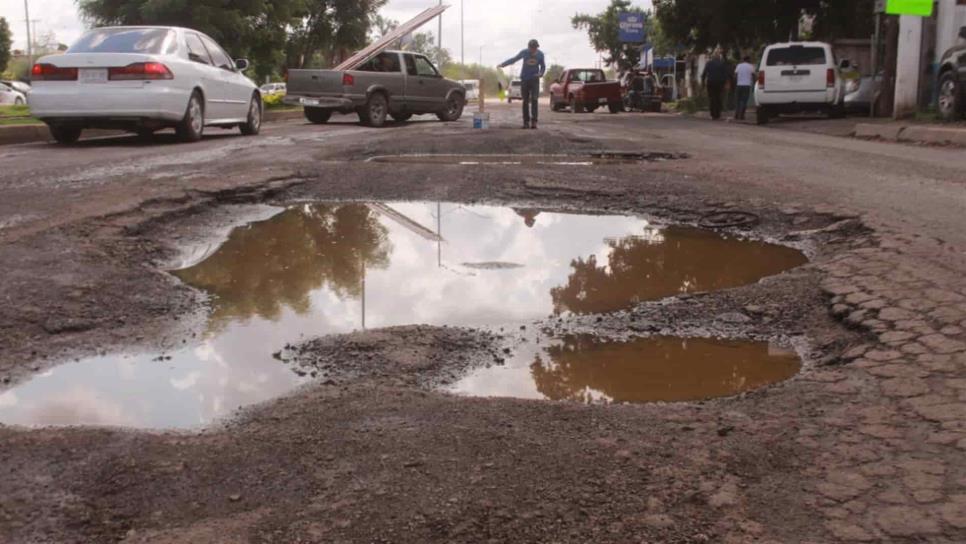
(242, 64)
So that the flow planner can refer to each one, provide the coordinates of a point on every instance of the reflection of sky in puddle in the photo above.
(584, 369)
(332, 268)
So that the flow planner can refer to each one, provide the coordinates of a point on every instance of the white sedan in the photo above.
(144, 79)
(11, 97)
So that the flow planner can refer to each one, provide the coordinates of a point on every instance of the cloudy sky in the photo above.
(499, 27)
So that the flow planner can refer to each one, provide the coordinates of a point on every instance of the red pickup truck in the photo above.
(585, 89)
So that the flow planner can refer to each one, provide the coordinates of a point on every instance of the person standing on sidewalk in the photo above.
(714, 78)
(744, 79)
(530, 76)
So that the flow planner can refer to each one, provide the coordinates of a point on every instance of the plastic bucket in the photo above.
(481, 120)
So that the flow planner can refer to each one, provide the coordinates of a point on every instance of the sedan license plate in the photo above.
(93, 75)
(309, 102)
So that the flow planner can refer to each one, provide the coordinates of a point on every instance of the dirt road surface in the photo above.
(866, 444)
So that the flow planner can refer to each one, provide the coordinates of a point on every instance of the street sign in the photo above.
(631, 27)
(922, 8)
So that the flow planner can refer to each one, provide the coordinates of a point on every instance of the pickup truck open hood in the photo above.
(408, 27)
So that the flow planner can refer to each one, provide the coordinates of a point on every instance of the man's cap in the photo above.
(533, 43)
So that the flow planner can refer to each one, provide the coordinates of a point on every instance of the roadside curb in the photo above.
(24, 134)
(912, 134)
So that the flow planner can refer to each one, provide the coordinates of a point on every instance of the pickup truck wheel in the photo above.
(575, 106)
(192, 126)
(950, 97)
(454, 109)
(762, 116)
(318, 116)
(401, 117)
(65, 135)
(253, 124)
(374, 113)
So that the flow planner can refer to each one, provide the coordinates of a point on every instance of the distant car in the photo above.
(19, 86)
(143, 79)
(472, 87)
(952, 80)
(585, 89)
(641, 92)
(273, 89)
(799, 77)
(11, 97)
(516, 91)
(860, 91)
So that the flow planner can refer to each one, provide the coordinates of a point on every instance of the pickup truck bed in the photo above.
(585, 89)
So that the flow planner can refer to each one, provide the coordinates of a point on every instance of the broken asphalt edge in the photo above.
(912, 133)
(22, 134)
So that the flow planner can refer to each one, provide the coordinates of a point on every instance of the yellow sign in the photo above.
(909, 7)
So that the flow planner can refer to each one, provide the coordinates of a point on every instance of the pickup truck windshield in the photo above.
(796, 56)
(383, 62)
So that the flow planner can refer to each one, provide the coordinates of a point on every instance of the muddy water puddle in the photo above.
(329, 268)
(669, 369)
(585, 159)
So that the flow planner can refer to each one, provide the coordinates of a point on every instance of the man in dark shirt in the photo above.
(714, 78)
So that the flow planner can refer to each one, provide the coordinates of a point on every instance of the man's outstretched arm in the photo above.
(511, 61)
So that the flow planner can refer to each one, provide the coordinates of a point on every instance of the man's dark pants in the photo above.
(530, 92)
(715, 90)
(744, 93)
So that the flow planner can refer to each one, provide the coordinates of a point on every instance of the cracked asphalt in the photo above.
(865, 445)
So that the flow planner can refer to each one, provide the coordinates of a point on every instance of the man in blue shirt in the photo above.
(530, 75)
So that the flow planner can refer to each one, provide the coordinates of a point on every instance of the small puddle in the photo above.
(330, 268)
(584, 159)
(586, 369)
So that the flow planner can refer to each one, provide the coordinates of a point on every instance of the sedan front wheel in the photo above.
(253, 125)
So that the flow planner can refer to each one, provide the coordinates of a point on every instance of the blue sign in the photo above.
(631, 27)
(664, 63)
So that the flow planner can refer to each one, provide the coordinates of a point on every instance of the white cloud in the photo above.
(497, 28)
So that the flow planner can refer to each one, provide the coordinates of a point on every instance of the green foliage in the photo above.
(553, 72)
(700, 25)
(271, 34)
(603, 30)
(6, 40)
(425, 43)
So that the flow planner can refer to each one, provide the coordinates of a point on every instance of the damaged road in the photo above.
(862, 444)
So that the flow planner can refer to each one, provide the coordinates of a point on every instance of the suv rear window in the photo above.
(123, 40)
(796, 56)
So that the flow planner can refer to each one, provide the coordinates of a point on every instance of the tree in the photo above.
(425, 44)
(603, 30)
(490, 76)
(554, 71)
(6, 40)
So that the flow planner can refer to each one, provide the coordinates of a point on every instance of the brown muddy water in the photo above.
(589, 370)
(330, 268)
(585, 159)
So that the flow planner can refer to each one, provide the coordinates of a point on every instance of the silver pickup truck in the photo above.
(399, 84)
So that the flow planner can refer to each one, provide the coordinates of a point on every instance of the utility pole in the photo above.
(462, 36)
(439, 41)
(30, 47)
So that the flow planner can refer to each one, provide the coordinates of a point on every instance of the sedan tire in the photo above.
(253, 125)
(374, 113)
(950, 97)
(66, 135)
(18, 102)
(192, 127)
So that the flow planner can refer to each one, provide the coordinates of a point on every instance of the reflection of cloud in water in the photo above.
(79, 406)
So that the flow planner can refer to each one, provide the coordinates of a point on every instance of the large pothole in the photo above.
(331, 268)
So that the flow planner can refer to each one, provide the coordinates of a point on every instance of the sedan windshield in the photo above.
(122, 40)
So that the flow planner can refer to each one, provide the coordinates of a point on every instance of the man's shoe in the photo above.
(533, 125)
(526, 125)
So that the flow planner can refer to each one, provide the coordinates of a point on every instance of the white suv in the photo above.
(797, 77)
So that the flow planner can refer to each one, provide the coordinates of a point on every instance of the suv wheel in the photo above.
(950, 97)
(65, 135)
(762, 116)
(374, 113)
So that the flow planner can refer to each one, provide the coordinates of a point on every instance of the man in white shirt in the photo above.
(745, 77)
